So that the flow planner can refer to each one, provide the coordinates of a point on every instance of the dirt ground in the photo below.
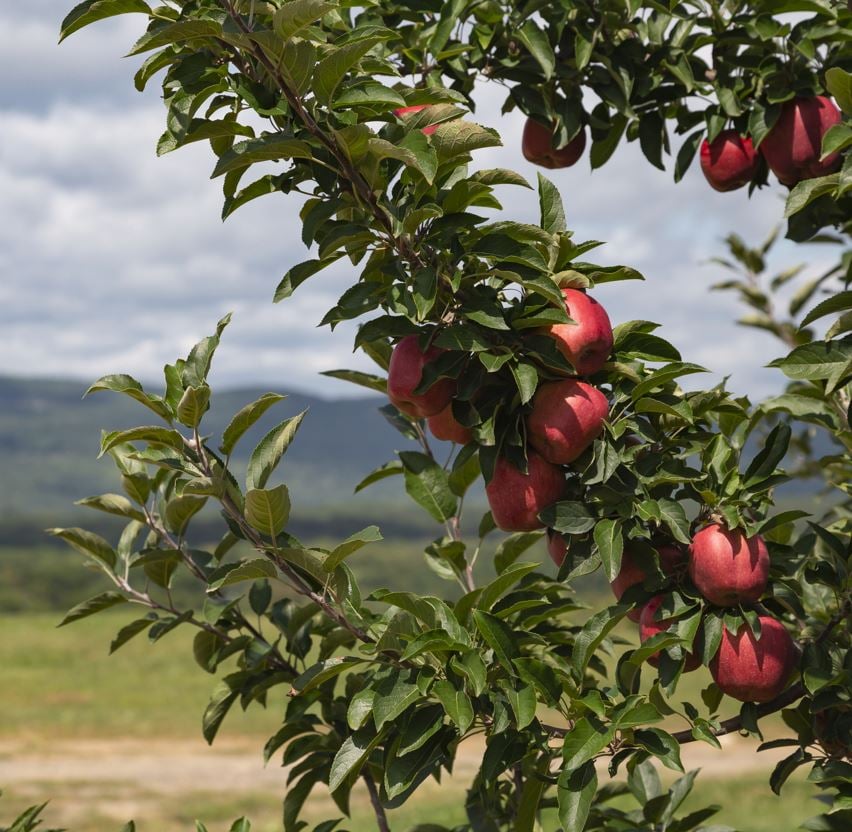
(174, 767)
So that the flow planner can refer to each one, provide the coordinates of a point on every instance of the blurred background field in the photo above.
(104, 743)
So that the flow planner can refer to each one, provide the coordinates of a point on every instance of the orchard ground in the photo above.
(87, 732)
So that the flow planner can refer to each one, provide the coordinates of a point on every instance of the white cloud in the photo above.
(114, 260)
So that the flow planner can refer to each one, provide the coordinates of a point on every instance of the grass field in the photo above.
(110, 738)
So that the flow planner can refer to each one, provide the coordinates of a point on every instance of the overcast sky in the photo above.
(112, 260)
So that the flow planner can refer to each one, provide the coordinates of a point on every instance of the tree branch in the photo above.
(381, 817)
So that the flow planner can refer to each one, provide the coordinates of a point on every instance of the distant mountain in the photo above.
(49, 442)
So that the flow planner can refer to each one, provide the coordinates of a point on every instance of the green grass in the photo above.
(61, 683)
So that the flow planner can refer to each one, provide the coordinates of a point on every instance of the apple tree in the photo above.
(486, 330)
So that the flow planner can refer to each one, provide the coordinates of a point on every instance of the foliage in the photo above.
(384, 688)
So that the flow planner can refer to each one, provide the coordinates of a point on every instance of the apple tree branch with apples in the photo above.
(487, 333)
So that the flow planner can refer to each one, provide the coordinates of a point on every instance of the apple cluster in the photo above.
(792, 148)
(728, 569)
(566, 416)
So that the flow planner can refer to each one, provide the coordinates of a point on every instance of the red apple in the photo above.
(729, 161)
(416, 108)
(727, 567)
(537, 146)
(566, 417)
(445, 426)
(404, 375)
(588, 342)
(557, 547)
(632, 572)
(753, 670)
(517, 498)
(793, 146)
(650, 626)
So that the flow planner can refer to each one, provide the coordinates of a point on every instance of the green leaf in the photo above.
(352, 544)
(773, 451)
(323, 671)
(244, 419)
(249, 570)
(500, 176)
(456, 703)
(526, 379)
(331, 70)
(87, 543)
(661, 744)
(839, 83)
(687, 153)
(270, 449)
(113, 504)
(154, 435)
(502, 583)
(193, 405)
(271, 147)
(91, 11)
(672, 514)
(128, 631)
(389, 469)
(371, 382)
(459, 137)
(594, 631)
(836, 138)
(294, 16)
(522, 701)
(550, 205)
(575, 791)
(610, 544)
(180, 32)
(268, 510)
(94, 605)
(428, 485)
(300, 273)
(216, 711)
(568, 517)
(784, 768)
(806, 191)
(584, 741)
(394, 695)
(120, 383)
(499, 637)
(814, 361)
(539, 46)
(836, 303)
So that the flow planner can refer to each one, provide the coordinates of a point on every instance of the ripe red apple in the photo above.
(537, 146)
(416, 108)
(517, 498)
(588, 342)
(649, 626)
(793, 146)
(729, 161)
(445, 426)
(404, 374)
(754, 670)
(557, 547)
(727, 567)
(632, 572)
(566, 417)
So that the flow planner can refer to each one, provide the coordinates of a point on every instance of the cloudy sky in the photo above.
(112, 260)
